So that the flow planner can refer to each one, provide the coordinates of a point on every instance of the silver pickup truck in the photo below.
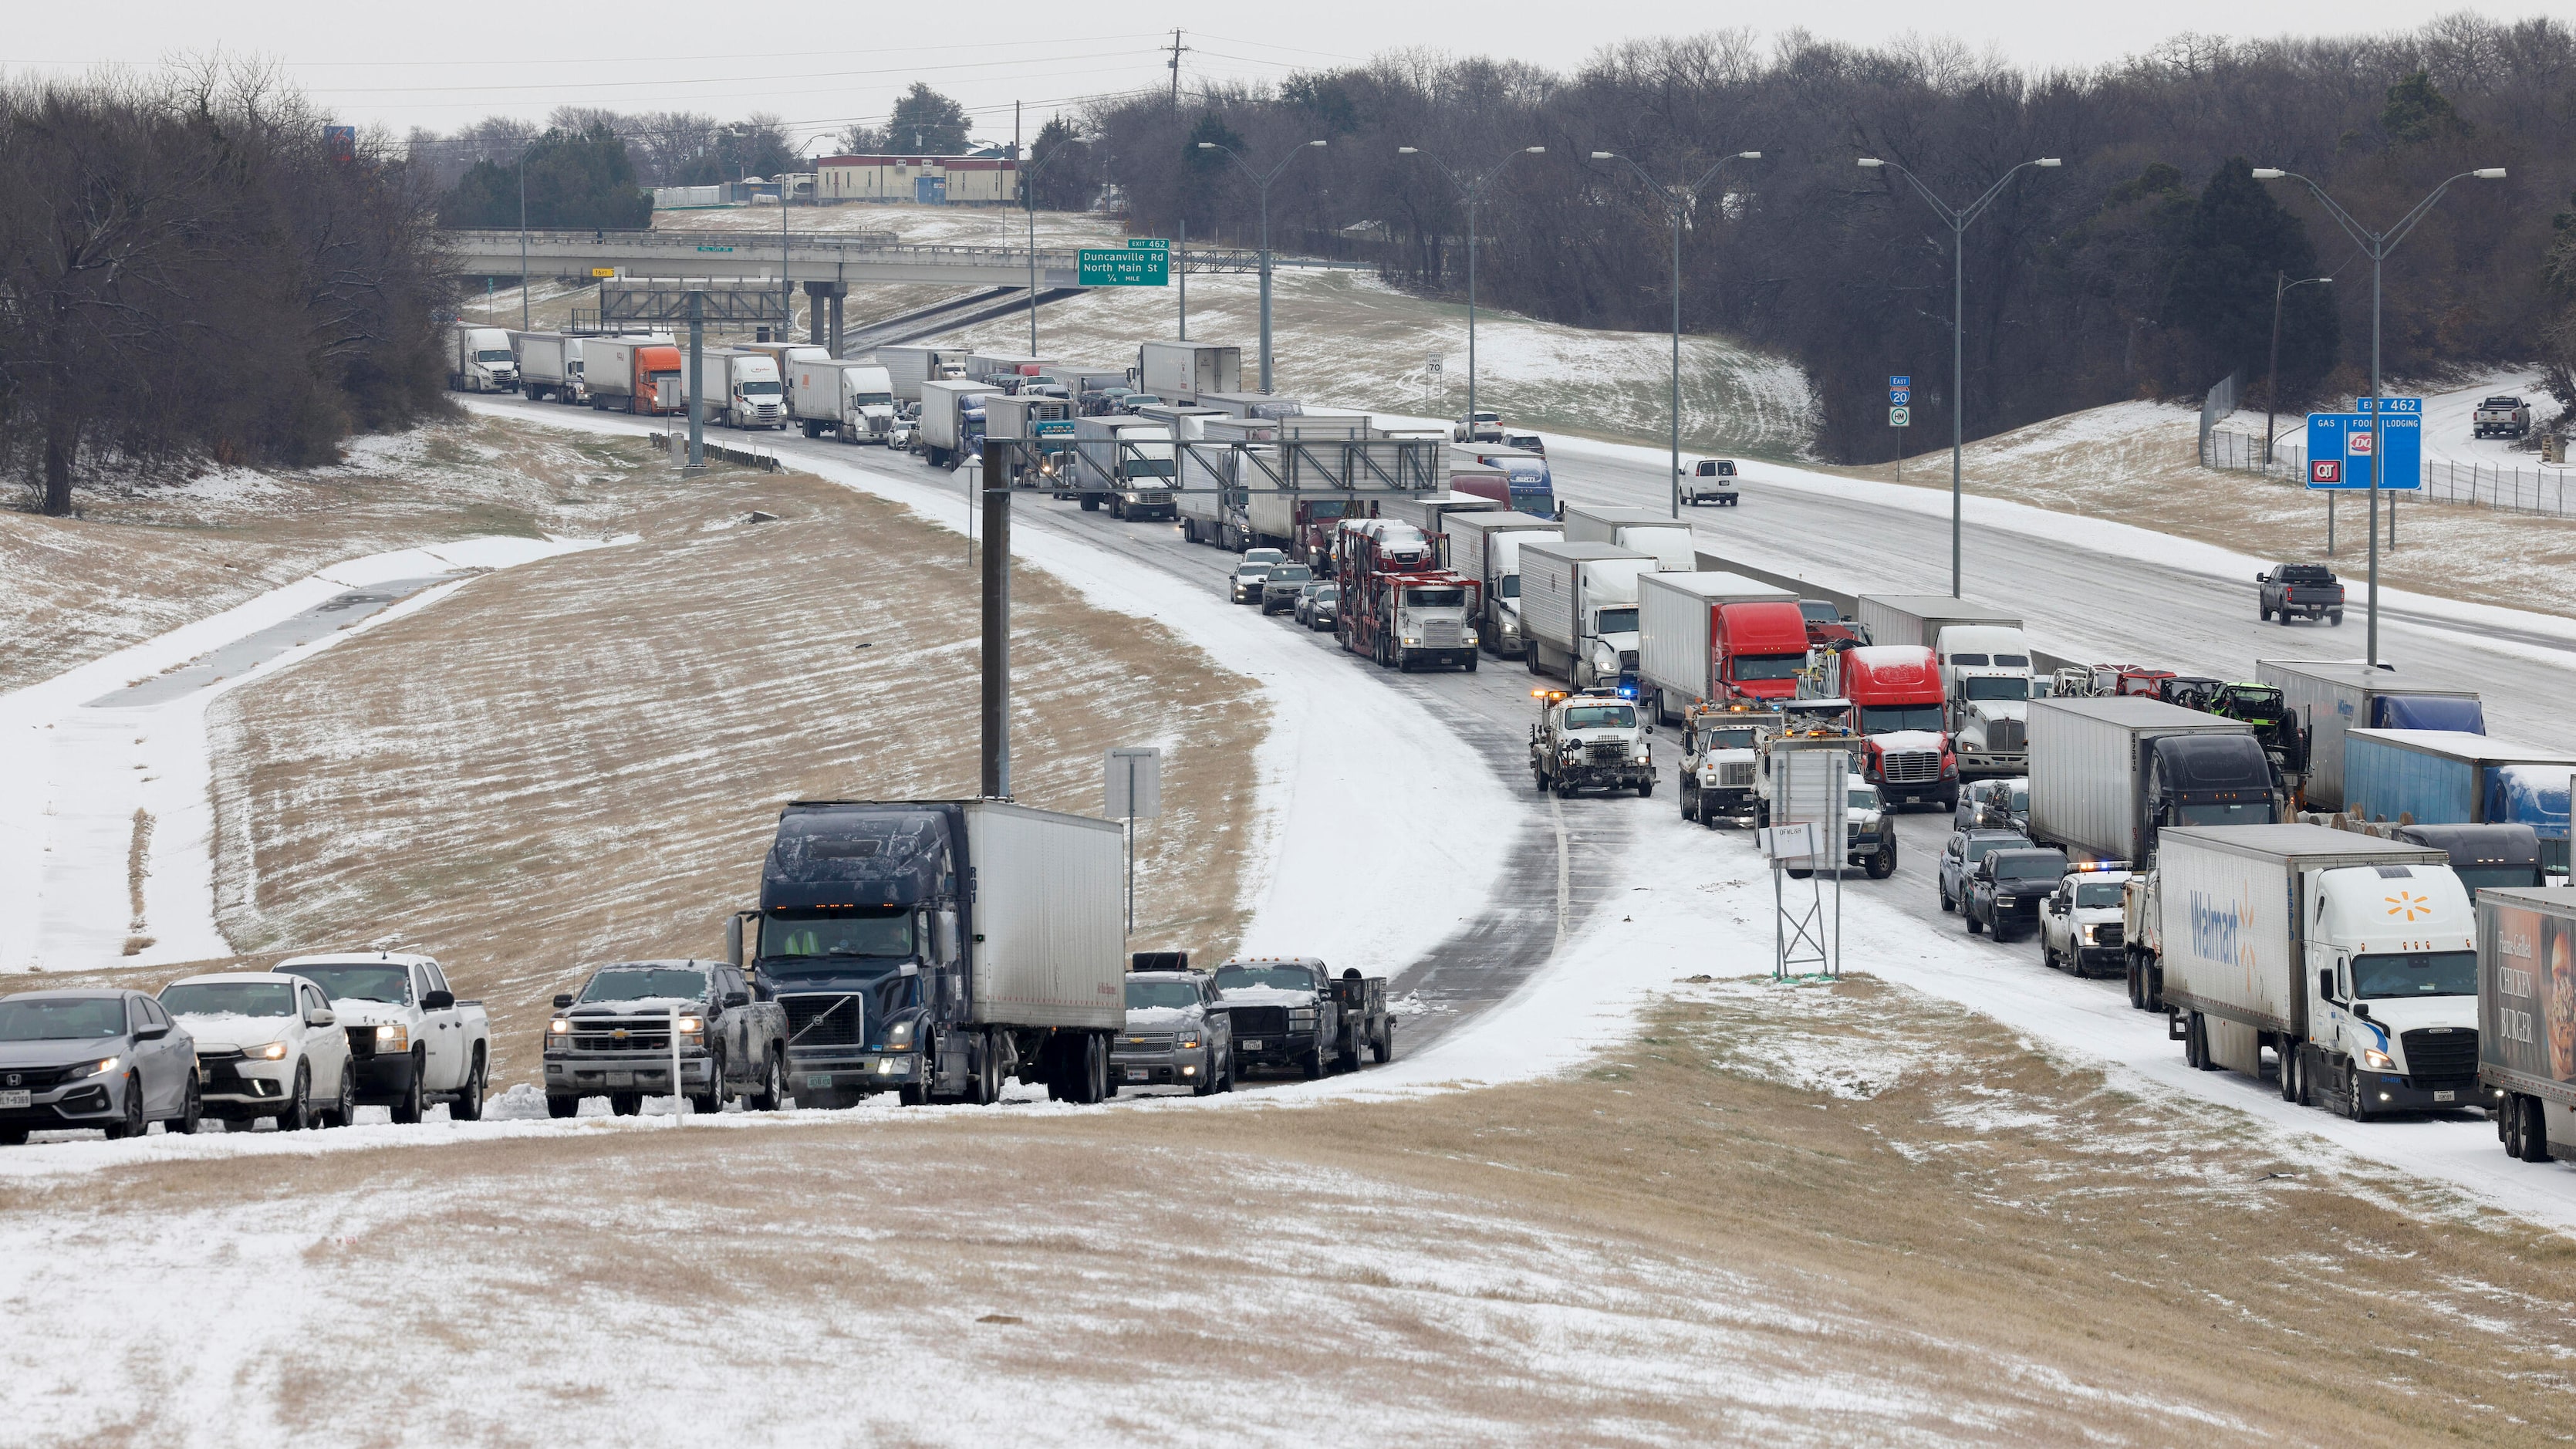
(613, 1038)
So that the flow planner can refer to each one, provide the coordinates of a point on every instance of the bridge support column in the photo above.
(820, 296)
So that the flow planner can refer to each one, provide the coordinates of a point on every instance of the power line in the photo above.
(706, 80)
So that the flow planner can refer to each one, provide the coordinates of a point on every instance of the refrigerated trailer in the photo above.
(2329, 697)
(2353, 959)
(2107, 774)
(1579, 611)
(909, 365)
(1182, 371)
(938, 947)
(549, 366)
(633, 375)
(2449, 777)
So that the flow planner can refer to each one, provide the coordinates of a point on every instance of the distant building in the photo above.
(928, 180)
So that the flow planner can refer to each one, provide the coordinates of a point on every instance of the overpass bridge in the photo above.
(846, 258)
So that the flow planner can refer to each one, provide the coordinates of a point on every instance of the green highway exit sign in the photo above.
(1129, 266)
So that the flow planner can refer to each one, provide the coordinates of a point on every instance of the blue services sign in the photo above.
(2339, 446)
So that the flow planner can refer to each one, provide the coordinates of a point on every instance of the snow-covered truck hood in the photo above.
(1895, 740)
(1163, 1018)
(1265, 996)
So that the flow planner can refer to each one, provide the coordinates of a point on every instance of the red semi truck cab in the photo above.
(1761, 650)
(1895, 692)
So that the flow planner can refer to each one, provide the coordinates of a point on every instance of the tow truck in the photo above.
(1721, 761)
(1590, 739)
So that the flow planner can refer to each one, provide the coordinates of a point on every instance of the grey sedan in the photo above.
(107, 1059)
(1279, 590)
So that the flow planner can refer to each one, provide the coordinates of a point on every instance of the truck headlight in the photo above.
(2377, 1060)
(1411, 642)
(1303, 1016)
(692, 1024)
(1189, 1043)
(393, 1038)
(899, 1036)
(2003, 900)
(559, 1027)
(1467, 636)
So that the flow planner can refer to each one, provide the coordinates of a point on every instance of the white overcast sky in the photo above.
(444, 65)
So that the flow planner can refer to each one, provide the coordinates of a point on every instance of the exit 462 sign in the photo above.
(2339, 447)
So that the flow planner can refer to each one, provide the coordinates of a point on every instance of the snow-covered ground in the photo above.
(106, 851)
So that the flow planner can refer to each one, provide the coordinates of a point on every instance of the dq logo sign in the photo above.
(2409, 905)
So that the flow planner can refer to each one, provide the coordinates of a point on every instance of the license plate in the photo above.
(1137, 1074)
(818, 1079)
(621, 1079)
(17, 1099)
(1250, 1046)
(2437, 1096)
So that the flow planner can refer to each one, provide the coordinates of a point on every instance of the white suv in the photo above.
(267, 1046)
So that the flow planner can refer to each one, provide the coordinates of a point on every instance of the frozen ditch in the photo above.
(106, 825)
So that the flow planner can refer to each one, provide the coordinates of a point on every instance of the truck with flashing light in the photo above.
(2353, 960)
(1590, 739)
(2329, 697)
(1715, 638)
(1579, 611)
(1487, 547)
(2081, 929)
(937, 948)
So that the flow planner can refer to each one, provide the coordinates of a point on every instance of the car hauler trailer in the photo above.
(937, 947)
(2352, 958)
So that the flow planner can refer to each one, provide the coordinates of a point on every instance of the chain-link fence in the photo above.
(2540, 488)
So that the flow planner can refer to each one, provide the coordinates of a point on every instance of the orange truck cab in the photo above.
(1896, 699)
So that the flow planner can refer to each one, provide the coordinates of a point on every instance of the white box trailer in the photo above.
(1181, 371)
(1648, 532)
(908, 365)
(1049, 934)
(2106, 774)
(549, 366)
(738, 388)
(2331, 696)
(1920, 618)
(1431, 513)
(1676, 629)
(1578, 600)
(1253, 404)
(2251, 917)
(1487, 547)
(852, 401)
(1211, 500)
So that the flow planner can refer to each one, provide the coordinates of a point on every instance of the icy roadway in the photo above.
(2086, 591)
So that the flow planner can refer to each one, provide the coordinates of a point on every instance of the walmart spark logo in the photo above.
(2408, 904)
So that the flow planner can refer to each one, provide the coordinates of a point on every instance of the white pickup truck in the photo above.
(411, 1041)
(2502, 417)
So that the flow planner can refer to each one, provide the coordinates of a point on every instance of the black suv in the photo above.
(2005, 890)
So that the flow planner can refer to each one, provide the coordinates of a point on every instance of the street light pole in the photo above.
(2282, 286)
(1029, 204)
(523, 246)
(1678, 201)
(1958, 219)
(1473, 188)
(2379, 244)
(1263, 182)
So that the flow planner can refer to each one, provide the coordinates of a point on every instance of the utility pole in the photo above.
(1176, 48)
(1958, 218)
(523, 248)
(1180, 274)
(997, 622)
(697, 414)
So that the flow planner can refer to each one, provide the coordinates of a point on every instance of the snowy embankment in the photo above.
(106, 830)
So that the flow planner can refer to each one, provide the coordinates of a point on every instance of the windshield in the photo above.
(2234, 812)
(2415, 973)
(1727, 739)
(2021, 800)
(63, 1019)
(1252, 570)
(1975, 849)
(2102, 893)
(1435, 598)
(1178, 995)
(231, 998)
(1769, 666)
(1291, 574)
(358, 983)
(1995, 686)
(1619, 621)
(2490, 877)
(1883, 719)
(1865, 798)
(874, 399)
(493, 354)
(636, 983)
(760, 389)
(1538, 502)
(835, 940)
(2030, 868)
(1511, 586)
(1286, 978)
(1600, 717)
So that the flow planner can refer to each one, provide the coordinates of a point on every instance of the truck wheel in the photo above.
(1883, 864)
(1974, 928)
(2288, 1056)
(1645, 787)
(1539, 780)
(407, 1106)
(1689, 800)
(1385, 1047)
(625, 1104)
(710, 1101)
(988, 1073)
(2191, 1041)
(2535, 1131)
(2263, 613)
(1312, 1063)
(1090, 504)
(773, 1083)
(2356, 1104)
(559, 1106)
(2137, 992)
(1096, 1086)
(468, 1104)
(2335, 618)
(1471, 664)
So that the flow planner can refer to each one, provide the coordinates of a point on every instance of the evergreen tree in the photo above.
(574, 180)
(2235, 247)
(927, 123)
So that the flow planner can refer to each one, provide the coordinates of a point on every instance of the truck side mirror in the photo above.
(437, 1000)
(733, 999)
(562, 1000)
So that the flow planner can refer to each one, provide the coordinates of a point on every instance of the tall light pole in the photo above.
(523, 243)
(1958, 219)
(1263, 182)
(1029, 203)
(2379, 244)
(1473, 188)
(2282, 286)
(1677, 200)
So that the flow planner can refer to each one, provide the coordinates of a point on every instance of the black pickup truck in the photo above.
(2305, 591)
(1291, 1011)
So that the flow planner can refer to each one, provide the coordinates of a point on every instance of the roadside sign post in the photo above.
(2379, 450)
(1900, 413)
(1133, 780)
(1807, 835)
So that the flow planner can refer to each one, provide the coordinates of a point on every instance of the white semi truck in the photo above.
(739, 388)
(549, 366)
(1648, 532)
(1579, 611)
(479, 359)
(851, 401)
(1487, 547)
(2353, 959)
(1985, 666)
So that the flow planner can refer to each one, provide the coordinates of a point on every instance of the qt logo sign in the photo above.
(2326, 470)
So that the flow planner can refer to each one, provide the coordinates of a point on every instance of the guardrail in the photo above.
(758, 248)
(748, 457)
